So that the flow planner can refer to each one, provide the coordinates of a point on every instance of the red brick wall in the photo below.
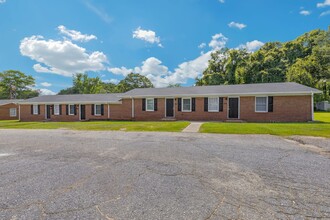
(149, 115)
(117, 112)
(5, 114)
(286, 109)
(199, 114)
(121, 111)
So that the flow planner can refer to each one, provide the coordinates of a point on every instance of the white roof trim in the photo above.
(68, 102)
(226, 94)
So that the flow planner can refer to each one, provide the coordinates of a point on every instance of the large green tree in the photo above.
(16, 85)
(133, 81)
(305, 60)
(82, 84)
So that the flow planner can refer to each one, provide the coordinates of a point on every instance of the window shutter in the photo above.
(155, 104)
(75, 109)
(92, 109)
(220, 104)
(102, 109)
(179, 104)
(206, 104)
(270, 103)
(143, 104)
(193, 104)
(31, 109)
(60, 106)
(38, 109)
(67, 109)
(52, 108)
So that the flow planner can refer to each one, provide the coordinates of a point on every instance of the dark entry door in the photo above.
(82, 112)
(169, 107)
(233, 108)
(47, 111)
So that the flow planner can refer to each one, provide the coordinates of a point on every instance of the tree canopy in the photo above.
(305, 60)
(82, 84)
(16, 85)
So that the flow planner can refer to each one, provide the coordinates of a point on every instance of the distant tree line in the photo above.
(82, 84)
(305, 60)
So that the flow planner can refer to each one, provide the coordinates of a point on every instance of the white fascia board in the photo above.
(227, 94)
(68, 103)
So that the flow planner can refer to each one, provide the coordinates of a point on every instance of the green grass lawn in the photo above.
(176, 126)
(321, 128)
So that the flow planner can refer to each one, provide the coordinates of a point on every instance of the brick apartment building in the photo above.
(266, 102)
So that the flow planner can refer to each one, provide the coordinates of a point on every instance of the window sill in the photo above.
(150, 110)
(261, 111)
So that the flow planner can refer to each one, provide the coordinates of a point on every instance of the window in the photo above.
(261, 104)
(213, 104)
(12, 112)
(186, 104)
(56, 109)
(98, 110)
(150, 105)
(35, 109)
(71, 109)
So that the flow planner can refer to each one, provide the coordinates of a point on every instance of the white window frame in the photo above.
(255, 105)
(36, 109)
(208, 104)
(189, 98)
(70, 109)
(153, 104)
(11, 111)
(56, 109)
(95, 112)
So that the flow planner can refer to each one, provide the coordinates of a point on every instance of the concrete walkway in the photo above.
(193, 127)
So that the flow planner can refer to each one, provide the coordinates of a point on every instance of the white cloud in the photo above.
(160, 75)
(252, 45)
(222, 1)
(120, 71)
(46, 92)
(237, 25)
(304, 12)
(46, 84)
(2, 1)
(61, 57)
(115, 81)
(99, 12)
(325, 13)
(324, 4)
(202, 45)
(76, 35)
(147, 35)
(218, 41)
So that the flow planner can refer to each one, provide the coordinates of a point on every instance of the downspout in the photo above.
(312, 105)
(108, 111)
(19, 112)
(133, 113)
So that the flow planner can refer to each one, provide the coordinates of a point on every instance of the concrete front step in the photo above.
(169, 119)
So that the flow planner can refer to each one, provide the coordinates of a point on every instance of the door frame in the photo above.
(80, 105)
(239, 106)
(173, 106)
(46, 112)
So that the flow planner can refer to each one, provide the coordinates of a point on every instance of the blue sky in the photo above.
(169, 41)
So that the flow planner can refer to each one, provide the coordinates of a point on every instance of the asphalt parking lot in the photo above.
(62, 174)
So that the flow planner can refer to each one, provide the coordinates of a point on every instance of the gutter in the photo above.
(226, 94)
